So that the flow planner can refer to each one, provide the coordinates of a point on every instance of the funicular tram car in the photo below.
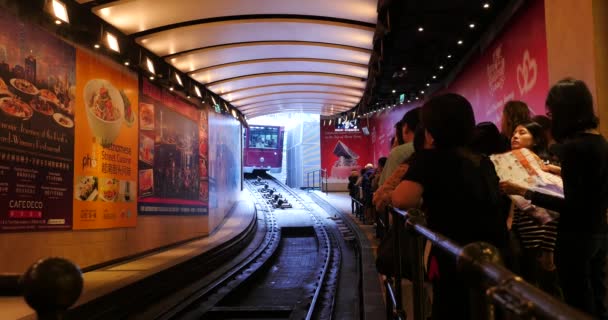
(263, 148)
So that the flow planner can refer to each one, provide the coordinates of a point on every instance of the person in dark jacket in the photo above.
(460, 191)
(582, 243)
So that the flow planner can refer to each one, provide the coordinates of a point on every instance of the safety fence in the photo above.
(316, 179)
(499, 288)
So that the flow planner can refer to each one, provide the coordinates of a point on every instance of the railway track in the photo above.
(262, 285)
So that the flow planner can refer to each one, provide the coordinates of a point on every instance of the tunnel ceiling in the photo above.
(261, 56)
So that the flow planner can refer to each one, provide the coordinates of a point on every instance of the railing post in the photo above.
(417, 217)
(473, 254)
(307, 180)
(397, 253)
(51, 286)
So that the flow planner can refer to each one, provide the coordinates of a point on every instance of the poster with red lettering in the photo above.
(37, 78)
(513, 67)
(343, 149)
(382, 128)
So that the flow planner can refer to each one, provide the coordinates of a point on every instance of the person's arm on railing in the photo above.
(408, 194)
(382, 196)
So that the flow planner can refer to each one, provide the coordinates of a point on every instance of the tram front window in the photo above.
(263, 137)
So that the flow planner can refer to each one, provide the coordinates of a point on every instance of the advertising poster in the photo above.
(105, 161)
(36, 128)
(172, 172)
(382, 129)
(513, 67)
(343, 150)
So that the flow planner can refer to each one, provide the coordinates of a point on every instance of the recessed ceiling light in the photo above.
(459, 41)
(403, 68)
(434, 77)
(449, 56)
(428, 84)
(60, 11)
(421, 91)
(420, 29)
(394, 91)
(112, 42)
(471, 25)
(96, 46)
(170, 88)
(151, 77)
(127, 63)
(441, 67)
(486, 5)
(408, 101)
(150, 65)
(57, 22)
(416, 98)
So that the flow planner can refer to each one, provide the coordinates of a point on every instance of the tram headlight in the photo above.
(262, 159)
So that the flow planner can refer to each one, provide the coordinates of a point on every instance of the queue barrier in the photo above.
(316, 179)
(499, 287)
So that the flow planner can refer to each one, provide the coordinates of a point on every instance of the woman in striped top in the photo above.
(537, 239)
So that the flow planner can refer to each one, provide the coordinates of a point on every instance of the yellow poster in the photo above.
(106, 146)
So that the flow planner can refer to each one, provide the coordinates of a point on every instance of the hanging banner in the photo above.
(513, 67)
(105, 162)
(36, 128)
(172, 154)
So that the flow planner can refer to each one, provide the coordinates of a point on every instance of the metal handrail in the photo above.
(504, 288)
(322, 174)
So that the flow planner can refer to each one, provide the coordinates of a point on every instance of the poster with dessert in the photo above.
(37, 85)
(172, 154)
(106, 146)
(343, 151)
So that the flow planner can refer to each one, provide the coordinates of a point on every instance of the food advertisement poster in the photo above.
(36, 128)
(105, 162)
(343, 150)
(172, 154)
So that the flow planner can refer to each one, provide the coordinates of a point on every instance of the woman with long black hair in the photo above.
(582, 243)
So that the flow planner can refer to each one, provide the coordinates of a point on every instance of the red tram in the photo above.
(263, 148)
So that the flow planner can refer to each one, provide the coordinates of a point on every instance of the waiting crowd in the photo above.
(443, 163)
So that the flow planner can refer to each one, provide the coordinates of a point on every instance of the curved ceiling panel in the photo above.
(236, 31)
(244, 68)
(241, 94)
(328, 102)
(283, 54)
(267, 112)
(140, 15)
(215, 56)
(253, 81)
(296, 104)
(301, 95)
(317, 107)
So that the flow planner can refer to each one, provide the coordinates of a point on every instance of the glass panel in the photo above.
(263, 137)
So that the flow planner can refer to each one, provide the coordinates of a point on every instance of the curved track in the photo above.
(238, 292)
